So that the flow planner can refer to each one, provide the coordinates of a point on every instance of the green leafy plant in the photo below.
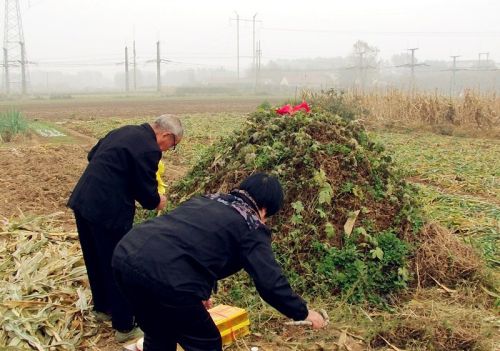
(366, 270)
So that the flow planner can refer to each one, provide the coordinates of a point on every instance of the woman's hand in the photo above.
(207, 303)
(163, 202)
(316, 319)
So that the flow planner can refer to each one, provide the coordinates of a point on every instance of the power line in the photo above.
(141, 60)
(387, 33)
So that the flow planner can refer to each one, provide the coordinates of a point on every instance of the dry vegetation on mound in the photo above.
(438, 325)
(440, 257)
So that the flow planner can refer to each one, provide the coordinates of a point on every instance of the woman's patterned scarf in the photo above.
(235, 200)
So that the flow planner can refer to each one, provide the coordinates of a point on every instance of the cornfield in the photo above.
(481, 111)
(470, 110)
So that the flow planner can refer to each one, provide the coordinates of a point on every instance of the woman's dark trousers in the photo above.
(168, 321)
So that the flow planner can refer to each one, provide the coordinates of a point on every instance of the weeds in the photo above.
(12, 123)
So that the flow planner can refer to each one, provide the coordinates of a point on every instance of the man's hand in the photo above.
(207, 303)
(163, 202)
(316, 319)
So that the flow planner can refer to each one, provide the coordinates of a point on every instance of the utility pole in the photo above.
(361, 67)
(412, 66)
(258, 55)
(14, 47)
(238, 45)
(361, 70)
(6, 66)
(135, 69)
(126, 70)
(487, 55)
(453, 76)
(253, 42)
(238, 19)
(23, 69)
(158, 73)
(484, 67)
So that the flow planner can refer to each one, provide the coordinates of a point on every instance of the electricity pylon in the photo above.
(14, 48)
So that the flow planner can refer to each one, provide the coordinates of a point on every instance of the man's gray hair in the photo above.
(169, 123)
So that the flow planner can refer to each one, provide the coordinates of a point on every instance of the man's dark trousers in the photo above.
(98, 244)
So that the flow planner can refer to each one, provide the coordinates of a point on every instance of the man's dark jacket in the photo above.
(185, 252)
(122, 168)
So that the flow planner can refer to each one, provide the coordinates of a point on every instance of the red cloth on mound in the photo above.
(289, 110)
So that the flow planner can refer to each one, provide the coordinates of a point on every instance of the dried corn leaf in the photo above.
(45, 299)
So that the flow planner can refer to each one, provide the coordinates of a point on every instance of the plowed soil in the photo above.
(38, 179)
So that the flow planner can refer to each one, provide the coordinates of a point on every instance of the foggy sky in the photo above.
(201, 34)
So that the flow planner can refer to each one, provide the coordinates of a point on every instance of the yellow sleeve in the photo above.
(159, 173)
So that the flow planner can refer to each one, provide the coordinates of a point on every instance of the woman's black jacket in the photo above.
(187, 250)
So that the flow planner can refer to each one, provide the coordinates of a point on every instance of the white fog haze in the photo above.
(79, 45)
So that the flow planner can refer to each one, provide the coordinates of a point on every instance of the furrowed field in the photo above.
(450, 150)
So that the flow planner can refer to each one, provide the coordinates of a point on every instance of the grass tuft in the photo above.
(12, 123)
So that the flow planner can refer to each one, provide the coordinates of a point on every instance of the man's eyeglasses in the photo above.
(175, 142)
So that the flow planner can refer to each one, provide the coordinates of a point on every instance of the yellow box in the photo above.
(232, 322)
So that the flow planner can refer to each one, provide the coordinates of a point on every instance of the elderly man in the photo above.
(122, 169)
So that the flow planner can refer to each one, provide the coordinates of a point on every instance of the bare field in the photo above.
(80, 108)
(38, 179)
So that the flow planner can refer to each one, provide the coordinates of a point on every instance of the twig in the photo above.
(244, 343)
(350, 334)
(418, 277)
(299, 323)
(390, 345)
(366, 314)
(448, 290)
